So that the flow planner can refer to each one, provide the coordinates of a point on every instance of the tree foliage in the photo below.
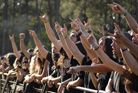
(18, 16)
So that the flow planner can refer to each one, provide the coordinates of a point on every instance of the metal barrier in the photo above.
(42, 90)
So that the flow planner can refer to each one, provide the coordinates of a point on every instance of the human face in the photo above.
(73, 37)
(102, 44)
(116, 48)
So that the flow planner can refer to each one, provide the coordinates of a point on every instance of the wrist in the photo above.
(124, 49)
(96, 47)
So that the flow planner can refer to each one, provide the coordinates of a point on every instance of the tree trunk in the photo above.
(57, 5)
(50, 13)
(38, 19)
(83, 8)
(5, 17)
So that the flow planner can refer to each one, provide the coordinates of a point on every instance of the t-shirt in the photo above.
(87, 79)
(49, 58)
(117, 79)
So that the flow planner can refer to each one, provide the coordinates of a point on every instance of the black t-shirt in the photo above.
(87, 79)
(21, 58)
(103, 80)
(49, 58)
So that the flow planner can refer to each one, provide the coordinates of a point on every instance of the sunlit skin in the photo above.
(102, 44)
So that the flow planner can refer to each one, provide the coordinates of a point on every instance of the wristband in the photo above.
(91, 46)
(59, 33)
(65, 37)
(96, 48)
(124, 49)
(89, 31)
(83, 29)
(125, 13)
(79, 34)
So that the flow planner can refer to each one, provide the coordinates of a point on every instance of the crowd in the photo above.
(111, 64)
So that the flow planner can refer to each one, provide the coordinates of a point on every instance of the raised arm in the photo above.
(105, 59)
(22, 45)
(127, 56)
(65, 47)
(83, 37)
(14, 47)
(50, 32)
(38, 43)
(130, 20)
(73, 48)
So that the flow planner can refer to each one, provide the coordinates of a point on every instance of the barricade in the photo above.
(5, 86)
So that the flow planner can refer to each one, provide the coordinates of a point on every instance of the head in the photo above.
(74, 37)
(55, 58)
(105, 44)
(25, 63)
(10, 59)
(30, 51)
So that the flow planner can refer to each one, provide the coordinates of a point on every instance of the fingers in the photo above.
(111, 5)
(77, 18)
(110, 34)
(102, 28)
(115, 3)
(117, 27)
(71, 19)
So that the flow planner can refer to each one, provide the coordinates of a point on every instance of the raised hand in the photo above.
(135, 38)
(117, 8)
(101, 31)
(32, 33)
(58, 27)
(87, 25)
(75, 26)
(22, 35)
(78, 21)
(11, 37)
(44, 18)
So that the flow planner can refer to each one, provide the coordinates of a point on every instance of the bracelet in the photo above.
(96, 48)
(125, 13)
(124, 49)
(65, 37)
(83, 29)
(59, 33)
(89, 31)
(62, 85)
(79, 34)
(91, 46)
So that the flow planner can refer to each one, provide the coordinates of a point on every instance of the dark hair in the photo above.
(11, 58)
(128, 36)
(30, 50)
(78, 38)
(81, 48)
(55, 56)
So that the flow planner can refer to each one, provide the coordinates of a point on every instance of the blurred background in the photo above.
(17, 16)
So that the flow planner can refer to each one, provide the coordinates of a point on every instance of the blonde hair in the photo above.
(60, 60)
